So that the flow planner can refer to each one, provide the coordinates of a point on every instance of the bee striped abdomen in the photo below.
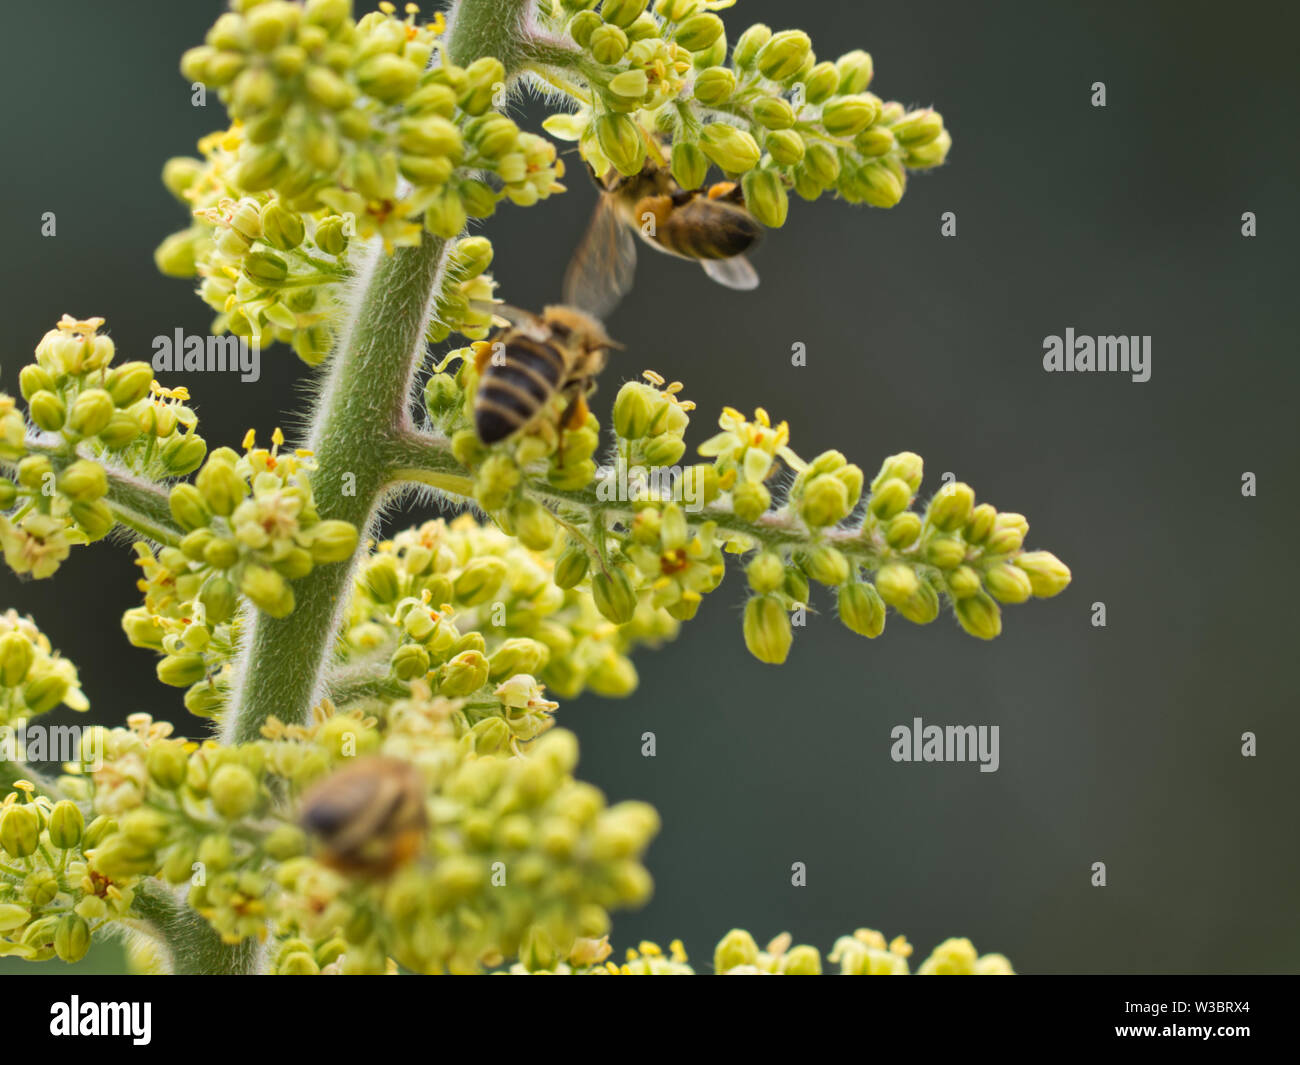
(511, 392)
(709, 229)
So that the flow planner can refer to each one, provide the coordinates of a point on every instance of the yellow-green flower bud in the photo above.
(783, 55)
(621, 140)
(926, 156)
(862, 610)
(785, 146)
(266, 268)
(821, 83)
(282, 228)
(583, 26)
(802, 961)
(629, 85)
(824, 501)
(180, 671)
(918, 128)
(980, 523)
(822, 163)
(622, 12)
(897, 583)
(699, 31)
(479, 580)
(1006, 538)
(1007, 583)
(47, 411)
(220, 552)
(766, 572)
(233, 790)
(84, 481)
(874, 183)
(410, 661)
(72, 939)
(614, 596)
(827, 565)
(129, 383)
(946, 552)
(963, 582)
(890, 498)
(747, 48)
(690, 166)
(332, 541)
(446, 216)
(534, 526)
(168, 765)
(181, 454)
(94, 518)
(221, 486)
(388, 78)
(188, 508)
(737, 948)
(979, 616)
(847, 116)
(1048, 575)
(66, 825)
(636, 408)
(571, 566)
(267, 590)
(951, 507)
(16, 656)
(906, 466)
(34, 378)
(664, 450)
(43, 693)
(90, 412)
(331, 236)
(731, 149)
(714, 86)
(20, 830)
(464, 674)
(766, 198)
(773, 112)
(518, 655)
(33, 470)
(856, 71)
(607, 44)
(8, 493)
(285, 842)
(750, 500)
(877, 140)
(767, 630)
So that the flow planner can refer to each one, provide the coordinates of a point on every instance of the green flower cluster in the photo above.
(519, 858)
(773, 115)
(476, 615)
(89, 416)
(270, 271)
(51, 900)
(34, 678)
(251, 528)
(652, 543)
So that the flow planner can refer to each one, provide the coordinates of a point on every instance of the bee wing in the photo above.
(736, 272)
(528, 323)
(604, 264)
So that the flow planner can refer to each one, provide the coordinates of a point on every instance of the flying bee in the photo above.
(370, 817)
(535, 358)
(710, 226)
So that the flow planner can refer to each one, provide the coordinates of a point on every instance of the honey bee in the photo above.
(536, 357)
(710, 226)
(370, 817)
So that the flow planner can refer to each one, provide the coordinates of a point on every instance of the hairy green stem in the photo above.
(193, 944)
(361, 407)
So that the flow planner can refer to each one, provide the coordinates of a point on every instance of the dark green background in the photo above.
(1120, 744)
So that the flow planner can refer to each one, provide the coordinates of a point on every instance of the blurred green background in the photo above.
(1119, 744)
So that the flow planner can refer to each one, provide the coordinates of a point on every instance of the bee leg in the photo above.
(482, 353)
(575, 414)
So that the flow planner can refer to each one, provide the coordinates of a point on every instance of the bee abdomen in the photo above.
(512, 392)
(705, 229)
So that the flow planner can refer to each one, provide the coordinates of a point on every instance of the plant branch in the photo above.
(193, 944)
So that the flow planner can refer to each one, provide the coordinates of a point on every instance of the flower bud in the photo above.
(20, 830)
(94, 518)
(129, 383)
(83, 481)
(221, 487)
(766, 572)
(737, 948)
(690, 166)
(180, 671)
(827, 565)
(766, 198)
(979, 616)
(331, 236)
(1048, 575)
(583, 25)
(926, 156)
(534, 526)
(874, 183)
(856, 71)
(824, 501)
(332, 541)
(890, 498)
(906, 466)
(47, 411)
(621, 141)
(767, 630)
(571, 566)
(267, 590)
(282, 228)
(946, 552)
(963, 582)
(847, 116)
(463, 675)
(773, 112)
(90, 412)
(783, 55)
(187, 507)
(664, 451)
(1008, 584)
(479, 580)
(409, 661)
(785, 146)
(821, 83)
(16, 656)
(731, 149)
(66, 824)
(699, 31)
(168, 765)
(614, 596)
(951, 507)
(862, 610)
(622, 12)
(518, 655)
(72, 938)
(897, 583)
(181, 454)
(750, 500)
(714, 86)
(747, 48)
(980, 523)
(918, 128)
(233, 790)
(877, 140)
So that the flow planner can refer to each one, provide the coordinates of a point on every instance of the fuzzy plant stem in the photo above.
(193, 944)
(361, 409)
